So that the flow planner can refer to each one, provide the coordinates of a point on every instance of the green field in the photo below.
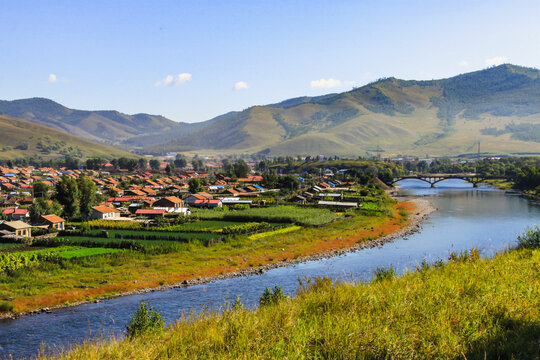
(5, 246)
(282, 214)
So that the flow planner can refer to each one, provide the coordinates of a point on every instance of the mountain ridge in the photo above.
(495, 106)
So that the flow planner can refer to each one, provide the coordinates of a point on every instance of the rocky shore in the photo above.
(423, 209)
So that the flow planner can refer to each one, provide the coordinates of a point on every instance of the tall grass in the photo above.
(469, 308)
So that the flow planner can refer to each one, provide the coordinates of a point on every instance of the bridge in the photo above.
(432, 179)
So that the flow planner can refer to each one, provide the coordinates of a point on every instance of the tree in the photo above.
(87, 195)
(197, 164)
(41, 190)
(270, 179)
(180, 161)
(143, 163)
(240, 168)
(67, 194)
(42, 206)
(144, 320)
(170, 168)
(155, 164)
(194, 185)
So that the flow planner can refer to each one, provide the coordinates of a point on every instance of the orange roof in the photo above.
(105, 209)
(53, 218)
(173, 199)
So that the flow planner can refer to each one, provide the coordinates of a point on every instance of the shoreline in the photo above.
(423, 209)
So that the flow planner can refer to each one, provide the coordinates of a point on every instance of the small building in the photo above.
(16, 214)
(17, 228)
(104, 213)
(209, 203)
(53, 221)
(151, 213)
(169, 202)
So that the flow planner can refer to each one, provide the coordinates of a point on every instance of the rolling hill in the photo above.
(107, 127)
(498, 107)
(21, 138)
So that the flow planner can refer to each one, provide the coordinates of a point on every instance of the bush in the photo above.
(6, 306)
(144, 320)
(530, 239)
(272, 297)
(382, 273)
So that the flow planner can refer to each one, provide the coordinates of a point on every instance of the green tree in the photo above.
(240, 168)
(180, 161)
(143, 163)
(87, 195)
(194, 185)
(41, 190)
(67, 194)
(155, 164)
(270, 179)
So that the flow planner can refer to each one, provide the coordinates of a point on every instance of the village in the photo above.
(30, 206)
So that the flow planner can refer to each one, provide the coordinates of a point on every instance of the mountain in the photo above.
(107, 127)
(498, 107)
(21, 138)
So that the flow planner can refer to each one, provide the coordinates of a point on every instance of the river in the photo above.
(484, 218)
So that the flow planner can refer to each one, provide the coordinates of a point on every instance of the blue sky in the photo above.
(193, 60)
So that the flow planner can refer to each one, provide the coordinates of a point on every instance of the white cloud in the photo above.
(182, 78)
(497, 60)
(329, 83)
(52, 78)
(241, 85)
(463, 63)
(174, 80)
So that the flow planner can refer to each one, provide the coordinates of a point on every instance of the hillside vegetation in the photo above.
(469, 308)
(498, 107)
(108, 127)
(25, 139)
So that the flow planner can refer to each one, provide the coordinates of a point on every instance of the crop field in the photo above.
(282, 214)
(5, 246)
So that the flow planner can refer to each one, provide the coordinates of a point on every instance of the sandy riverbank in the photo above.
(423, 208)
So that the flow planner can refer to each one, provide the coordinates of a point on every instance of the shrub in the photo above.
(6, 306)
(144, 320)
(382, 273)
(530, 239)
(272, 297)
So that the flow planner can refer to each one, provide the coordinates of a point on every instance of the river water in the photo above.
(484, 218)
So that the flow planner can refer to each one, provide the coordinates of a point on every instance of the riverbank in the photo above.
(468, 308)
(304, 245)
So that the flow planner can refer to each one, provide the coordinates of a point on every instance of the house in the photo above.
(16, 214)
(17, 228)
(210, 203)
(104, 213)
(53, 221)
(151, 213)
(169, 202)
(198, 196)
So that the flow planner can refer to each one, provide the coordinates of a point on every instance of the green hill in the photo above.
(21, 138)
(498, 107)
(108, 127)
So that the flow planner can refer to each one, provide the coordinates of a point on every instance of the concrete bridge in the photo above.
(432, 179)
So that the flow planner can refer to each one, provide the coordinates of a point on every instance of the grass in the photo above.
(282, 214)
(129, 270)
(5, 246)
(469, 308)
(70, 252)
(274, 232)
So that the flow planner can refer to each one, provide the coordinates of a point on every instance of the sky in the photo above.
(193, 60)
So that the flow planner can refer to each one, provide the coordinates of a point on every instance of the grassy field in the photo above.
(5, 246)
(130, 270)
(469, 308)
(282, 214)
